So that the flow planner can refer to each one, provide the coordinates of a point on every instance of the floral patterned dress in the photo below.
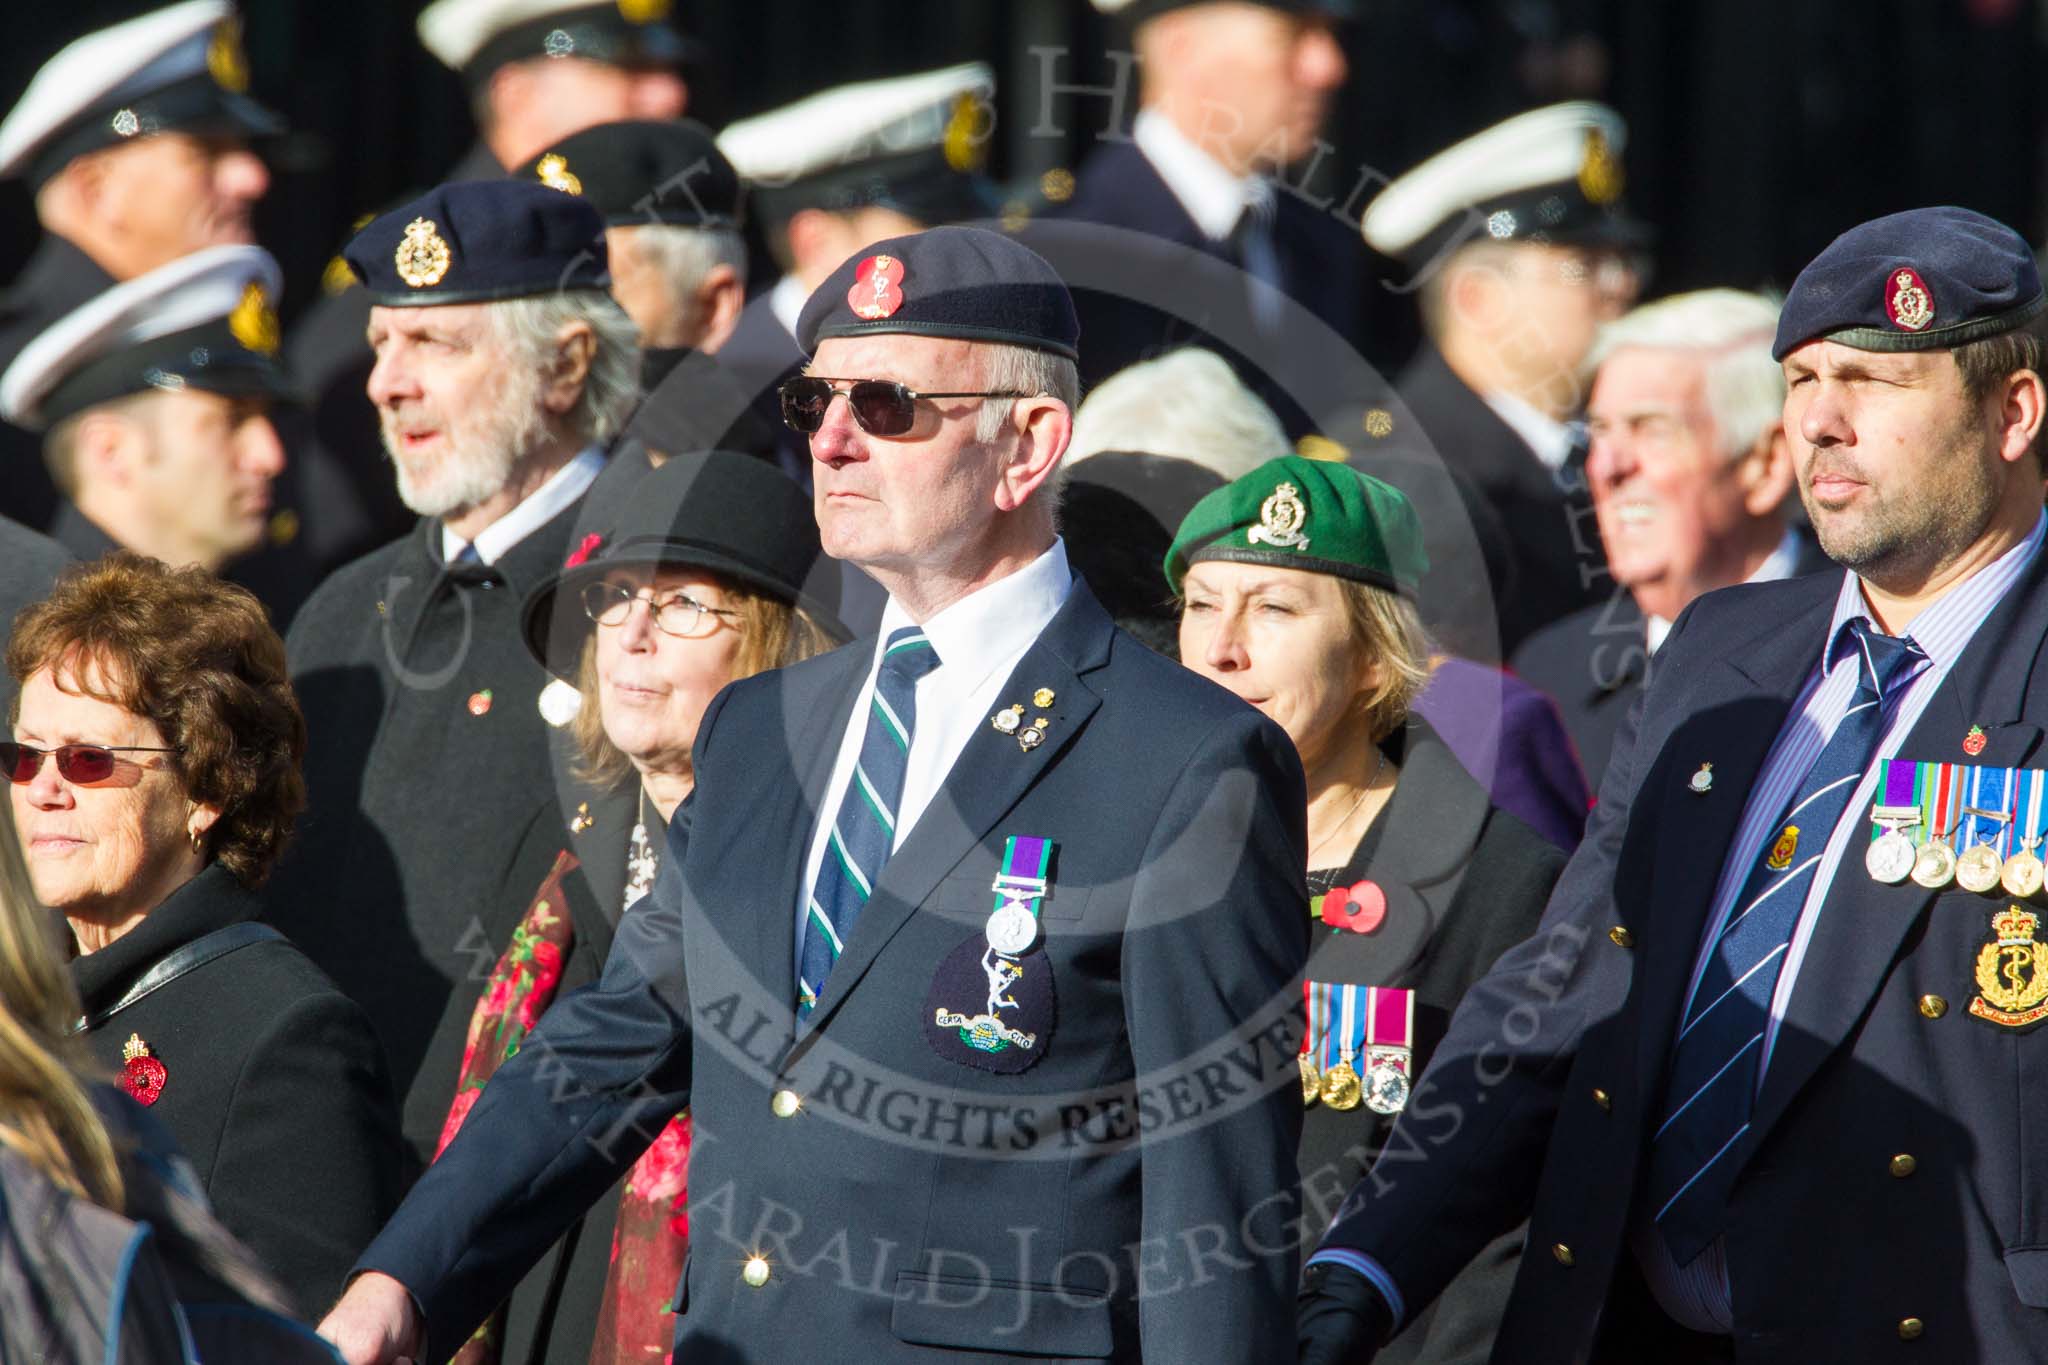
(653, 1231)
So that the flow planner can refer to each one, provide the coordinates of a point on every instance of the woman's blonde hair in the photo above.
(772, 633)
(46, 1111)
(1387, 632)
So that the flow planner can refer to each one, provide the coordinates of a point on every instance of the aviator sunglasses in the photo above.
(81, 763)
(882, 407)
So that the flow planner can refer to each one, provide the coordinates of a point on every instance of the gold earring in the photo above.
(198, 840)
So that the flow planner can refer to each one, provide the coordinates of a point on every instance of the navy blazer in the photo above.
(1127, 1198)
(1541, 1100)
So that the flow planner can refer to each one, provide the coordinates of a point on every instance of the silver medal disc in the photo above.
(1012, 929)
(1890, 857)
(1386, 1089)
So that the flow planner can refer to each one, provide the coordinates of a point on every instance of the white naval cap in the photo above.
(476, 37)
(206, 321)
(176, 68)
(1550, 175)
(914, 143)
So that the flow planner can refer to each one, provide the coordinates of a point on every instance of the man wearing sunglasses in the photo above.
(503, 368)
(954, 939)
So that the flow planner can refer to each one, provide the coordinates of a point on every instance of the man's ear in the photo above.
(720, 300)
(1764, 472)
(2026, 398)
(575, 349)
(1044, 426)
(110, 449)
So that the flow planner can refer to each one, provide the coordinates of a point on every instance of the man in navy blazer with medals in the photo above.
(1766, 1080)
(976, 954)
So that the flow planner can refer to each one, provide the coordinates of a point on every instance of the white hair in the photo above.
(1730, 333)
(1188, 403)
(683, 256)
(530, 328)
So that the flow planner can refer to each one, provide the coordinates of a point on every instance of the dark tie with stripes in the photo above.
(864, 830)
(1714, 1065)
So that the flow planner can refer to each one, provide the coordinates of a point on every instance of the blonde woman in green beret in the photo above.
(1296, 585)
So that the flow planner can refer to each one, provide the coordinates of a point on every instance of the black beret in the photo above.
(644, 171)
(1923, 280)
(731, 514)
(479, 240)
(963, 282)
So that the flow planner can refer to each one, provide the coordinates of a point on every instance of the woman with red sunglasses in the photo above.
(153, 772)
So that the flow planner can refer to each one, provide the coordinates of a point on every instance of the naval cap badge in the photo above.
(1281, 517)
(422, 257)
(1907, 302)
(254, 321)
(553, 171)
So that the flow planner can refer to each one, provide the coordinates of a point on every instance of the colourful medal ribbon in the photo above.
(1332, 1025)
(1022, 878)
(1897, 794)
(2036, 783)
(1352, 1020)
(1390, 1018)
(1316, 1004)
(1992, 784)
(1944, 797)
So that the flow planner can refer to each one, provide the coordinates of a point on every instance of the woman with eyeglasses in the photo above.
(712, 573)
(154, 777)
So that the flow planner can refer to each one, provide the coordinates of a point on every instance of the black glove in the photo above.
(1340, 1317)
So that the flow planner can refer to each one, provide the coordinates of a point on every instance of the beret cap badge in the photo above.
(554, 172)
(422, 257)
(877, 288)
(1907, 303)
(1281, 517)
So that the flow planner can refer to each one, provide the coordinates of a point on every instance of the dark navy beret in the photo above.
(644, 171)
(963, 282)
(479, 240)
(1922, 280)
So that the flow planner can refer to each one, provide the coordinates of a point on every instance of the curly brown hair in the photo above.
(198, 658)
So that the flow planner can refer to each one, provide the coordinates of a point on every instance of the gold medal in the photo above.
(2022, 874)
(1978, 869)
(1341, 1089)
(1311, 1080)
(1935, 865)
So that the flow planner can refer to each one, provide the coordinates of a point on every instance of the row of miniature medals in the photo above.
(1980, 828)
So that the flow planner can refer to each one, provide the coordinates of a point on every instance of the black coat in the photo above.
(1596, 662)
(419, 787)
(1464, 881)
(57, 278)
(1177, 814)
(1556, 562)
(1320, 263)
(274, 1085)
(29, 565)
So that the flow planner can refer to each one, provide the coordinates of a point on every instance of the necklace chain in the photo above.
(1364, 792)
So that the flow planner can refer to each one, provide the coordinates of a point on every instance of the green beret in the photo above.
(1316, 515)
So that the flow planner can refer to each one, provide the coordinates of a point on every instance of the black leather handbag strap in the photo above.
(194, 955)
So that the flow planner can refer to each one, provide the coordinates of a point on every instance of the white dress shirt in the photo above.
(1549, 438)
(980, 640)
(563, 487)
(1213, 197)
(786, 300)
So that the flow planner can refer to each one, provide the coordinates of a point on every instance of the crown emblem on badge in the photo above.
(225, 60)
(2012, 977)
(644, 11)
(554, 172)
(1281, 517)
(254, 321)
(1600, 174)
(422, 257)
(1908, 303)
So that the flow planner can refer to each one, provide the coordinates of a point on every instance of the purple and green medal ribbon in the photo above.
(1022, 878)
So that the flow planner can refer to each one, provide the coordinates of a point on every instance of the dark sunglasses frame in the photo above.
(80, 763)
(881, 407)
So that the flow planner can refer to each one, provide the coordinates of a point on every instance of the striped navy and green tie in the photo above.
(864, 830)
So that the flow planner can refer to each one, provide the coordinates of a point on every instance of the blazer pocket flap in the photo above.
(969, 1313)
(2028, 1267)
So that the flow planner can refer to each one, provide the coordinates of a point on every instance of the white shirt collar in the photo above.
(1542, 433)
(1213, 197)
(563, 487)
(992, 626)
(786, 300)
(1777, 565)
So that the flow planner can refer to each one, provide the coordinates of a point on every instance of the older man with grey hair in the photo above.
(1689, 473)
(503, 367)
